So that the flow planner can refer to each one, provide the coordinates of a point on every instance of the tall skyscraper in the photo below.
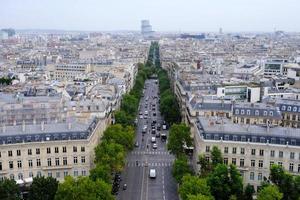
(146, 28)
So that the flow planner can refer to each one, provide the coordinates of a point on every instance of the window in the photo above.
(252, 163)
(292, 155)
(272, 153)
(236, 111)
(29, 152)
(37, 151)
(262, 140)
(64, 149)
(226, 137)
(49, 174)
(48, 150)
(271, 163)
(83, 173)
(280, 154)
(66, 173)
(265, 113)
(260, 163)
(18, 152)
(243, 139)
(291, 167)
(10, 153)
(242, 162)
(252, 176)
(233, 161)
(242, 151)
(38, 162)
(283, 108)
(0, 166)
(298, 168)
(253, 152)
(30, 174)
(75, 160)
(225, 160)
(289, 108)
(82, 159)
(225, 149)
(57, 174)
(261, 152)
(49, 162)
(256, 112)
(29, 163)
(273, 141)
(207, 149)
(242, 112)
(248, 112)
(12, 177)
(75, 173)
(280, 164)
(234, 150)
(82, 149)
(65, 161)
(235, 138)
(20, 176)
(19, 163)
(56, 150)
(11, 164)
(253, 139)
(57, 161)
(259, 177)
(74, 149)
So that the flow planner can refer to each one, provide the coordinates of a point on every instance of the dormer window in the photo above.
(242, 112)
(271, 113)
(265, 113)
(256, 112)
(289, 108)
(248, 112)
(236, 111)
(294, 109)
(283, 108)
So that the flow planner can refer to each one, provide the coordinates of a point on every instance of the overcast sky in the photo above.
(164, 15)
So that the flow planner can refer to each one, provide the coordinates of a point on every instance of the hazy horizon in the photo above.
(164, 15)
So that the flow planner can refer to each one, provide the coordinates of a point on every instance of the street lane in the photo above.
(136, 175)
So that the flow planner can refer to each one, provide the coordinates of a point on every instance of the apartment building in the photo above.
(55, 149)
(253, 149)
(70, 71)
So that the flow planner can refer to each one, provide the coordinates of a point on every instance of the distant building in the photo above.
(146, 28)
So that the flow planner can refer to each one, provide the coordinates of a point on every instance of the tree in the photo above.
(180, 168)
(270, 192)
(120, 135)
(205, 165)
(129, 104)
(9, 190)
(43, 188)
(83, 188)
(216, 156)
(178, 137)
(101, 171)
(248, 192)
(225, 182)
(123, 118)
(199, 197)
(112, 154)
(192, 185)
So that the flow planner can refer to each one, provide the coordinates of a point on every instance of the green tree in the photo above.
(9, 190)
(180, 168)
(179, 136)
(270, 192)
(248, 192)
(216, 156)
(123, 118)
(199, 197)
(101, 171)
(225, 182)
(112, 154)
(120, 135)
(129, 104)
(43, 188)
(192, 185)
(83, 188)
(205, 165)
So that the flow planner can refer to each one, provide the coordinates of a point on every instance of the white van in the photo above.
(152, 173)
(153, 139)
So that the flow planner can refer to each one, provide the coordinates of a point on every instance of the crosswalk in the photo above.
(150, 153)
(151, 164)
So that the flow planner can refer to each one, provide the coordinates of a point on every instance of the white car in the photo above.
(152, 173)
(154, 146)
(153, 139)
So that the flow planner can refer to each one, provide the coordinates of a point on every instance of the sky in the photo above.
(164, 15)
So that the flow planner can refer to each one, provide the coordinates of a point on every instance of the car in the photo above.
(125, 186)
(152, 173)
(141, 117)
(136, 144)
(153, 131)
(153, 139)
(154, 146)
(157, 135)
(144, 130)
(154, 114)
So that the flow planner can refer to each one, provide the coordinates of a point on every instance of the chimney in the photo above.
(23, 126)
(69, 125)
(42, 126)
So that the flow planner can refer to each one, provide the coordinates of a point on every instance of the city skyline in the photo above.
(194, 16)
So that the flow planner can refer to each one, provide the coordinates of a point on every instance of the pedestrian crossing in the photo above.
(150, 153)
(151, 164)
